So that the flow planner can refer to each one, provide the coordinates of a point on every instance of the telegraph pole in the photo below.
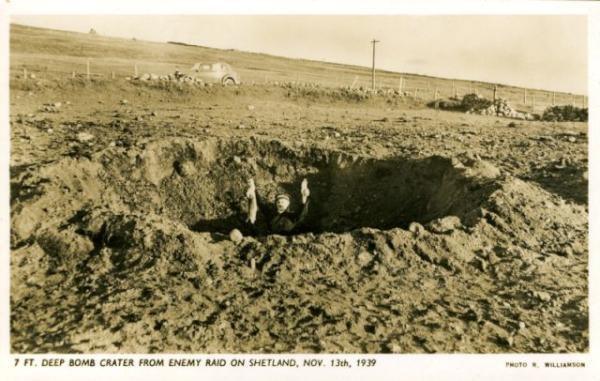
(374, 41)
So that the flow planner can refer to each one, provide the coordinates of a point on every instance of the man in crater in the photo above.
(278, 218)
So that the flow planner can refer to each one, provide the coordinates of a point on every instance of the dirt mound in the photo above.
(202, 184)
(125, 252)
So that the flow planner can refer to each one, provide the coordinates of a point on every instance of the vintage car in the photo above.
(218, 72)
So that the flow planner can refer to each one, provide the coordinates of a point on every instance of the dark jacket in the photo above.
(282, 223)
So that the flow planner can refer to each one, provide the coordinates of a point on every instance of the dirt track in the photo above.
(119, 239)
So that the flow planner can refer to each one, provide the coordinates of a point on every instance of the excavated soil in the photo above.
(127, 250)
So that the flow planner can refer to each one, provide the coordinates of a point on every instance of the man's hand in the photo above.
(304, 191)
(251, 192)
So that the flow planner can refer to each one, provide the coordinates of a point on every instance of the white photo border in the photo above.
(389, 367)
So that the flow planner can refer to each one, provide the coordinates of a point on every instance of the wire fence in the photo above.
(421, 87)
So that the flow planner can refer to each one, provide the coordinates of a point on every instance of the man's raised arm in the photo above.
(252, 203)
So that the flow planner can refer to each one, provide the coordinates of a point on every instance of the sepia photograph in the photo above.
(298, 184)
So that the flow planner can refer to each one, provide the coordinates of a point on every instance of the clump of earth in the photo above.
(128, 250)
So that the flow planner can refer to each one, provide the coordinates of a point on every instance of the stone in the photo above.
(444, 225)
(567, 251)
(236, 236)
(124, 101)
(577, 248)
(542, 296)
(250, 107)
(85, 137)
(364, 258)
(483, 170)
(185, 168)
(416, 228)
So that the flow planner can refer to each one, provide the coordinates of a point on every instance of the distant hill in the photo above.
(59, 53)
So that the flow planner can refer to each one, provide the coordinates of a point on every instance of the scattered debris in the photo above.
(51, 107)
(177, 76)
(84, 137)
(236, 236)
(476, 104)
(444, 225)
(364, 258)
(542, 296)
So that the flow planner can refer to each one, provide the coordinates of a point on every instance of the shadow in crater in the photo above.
(349, 193)
(566, 181)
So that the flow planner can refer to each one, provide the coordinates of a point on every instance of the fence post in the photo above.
(572, 99)
(525, 97)
(401, 84)
(416, 92)
(135, 71)
(470, 88)
(494, 95)
(553, 98)
(24, 73)
(454, 94)
(87, 69)
(435, 94)
(72, 74)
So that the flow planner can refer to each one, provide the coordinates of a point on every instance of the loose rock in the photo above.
(85, 137)
(236, 236)
(444, 225)
(364, 258)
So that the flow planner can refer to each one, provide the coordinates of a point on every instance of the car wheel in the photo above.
(228, 81)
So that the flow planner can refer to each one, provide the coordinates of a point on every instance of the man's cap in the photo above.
(282, 195)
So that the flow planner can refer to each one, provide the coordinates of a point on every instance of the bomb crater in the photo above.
(203, 185)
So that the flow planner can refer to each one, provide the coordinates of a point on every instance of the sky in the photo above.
(538, 51)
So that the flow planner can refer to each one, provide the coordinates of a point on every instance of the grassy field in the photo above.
(53, 54)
